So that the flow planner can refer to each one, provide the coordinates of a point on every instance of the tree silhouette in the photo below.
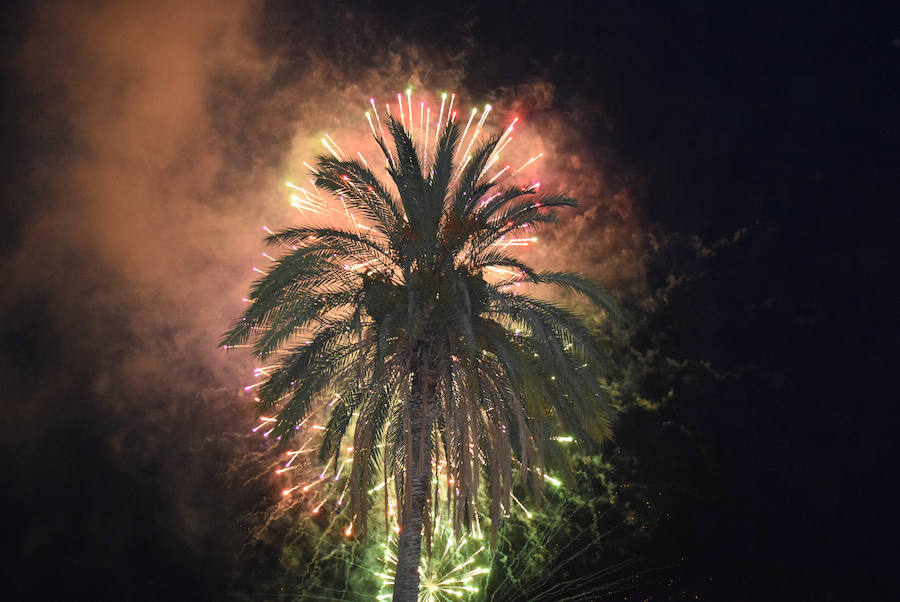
(431, 363)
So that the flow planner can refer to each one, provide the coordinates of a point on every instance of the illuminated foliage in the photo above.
(396, 333)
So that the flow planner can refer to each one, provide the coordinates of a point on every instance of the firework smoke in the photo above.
(162, 136)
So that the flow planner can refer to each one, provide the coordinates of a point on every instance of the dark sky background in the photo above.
(144, 147)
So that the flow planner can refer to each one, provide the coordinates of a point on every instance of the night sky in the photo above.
(746, 157)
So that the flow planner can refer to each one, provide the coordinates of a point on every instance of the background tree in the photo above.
(425, 361)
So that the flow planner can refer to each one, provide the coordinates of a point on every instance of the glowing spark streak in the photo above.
(427, 128)
(515, 242)
(378, 119)
(516, 500)
(347, 212)
(498, 174)
(488, 166)
(529, 162)
(331, 150)
(467, 562)
(371, 125)
(450, 108)
(502, 270)
(447, 547)
(489, 199)
(357, 266)
(340, 468)
(555, 482)
(437, 127)
(302, 447)
(287, 492)
(359, 154)
(487, 110)
(501, 147)
(314, 198)
(266, 228)
(409, 106)
(468, 123)
(336, 145)
(307, 204)
(421, 118)
(508, 131)
(462, 542)
(400, 102)
(293, 457)
(461, 168)
(265, 420)
(309, 486)
(256, 269)
(380, 486)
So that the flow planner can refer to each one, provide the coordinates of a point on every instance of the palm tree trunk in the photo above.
(412, 519)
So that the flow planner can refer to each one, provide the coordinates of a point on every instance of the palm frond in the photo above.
(361, 189)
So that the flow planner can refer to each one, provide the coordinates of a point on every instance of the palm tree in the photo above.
(430, 359)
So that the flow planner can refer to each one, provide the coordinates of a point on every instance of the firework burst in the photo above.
(329, 312)
(455, 568)
(302, 481)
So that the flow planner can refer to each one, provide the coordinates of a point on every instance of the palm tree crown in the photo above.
(435, 361)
